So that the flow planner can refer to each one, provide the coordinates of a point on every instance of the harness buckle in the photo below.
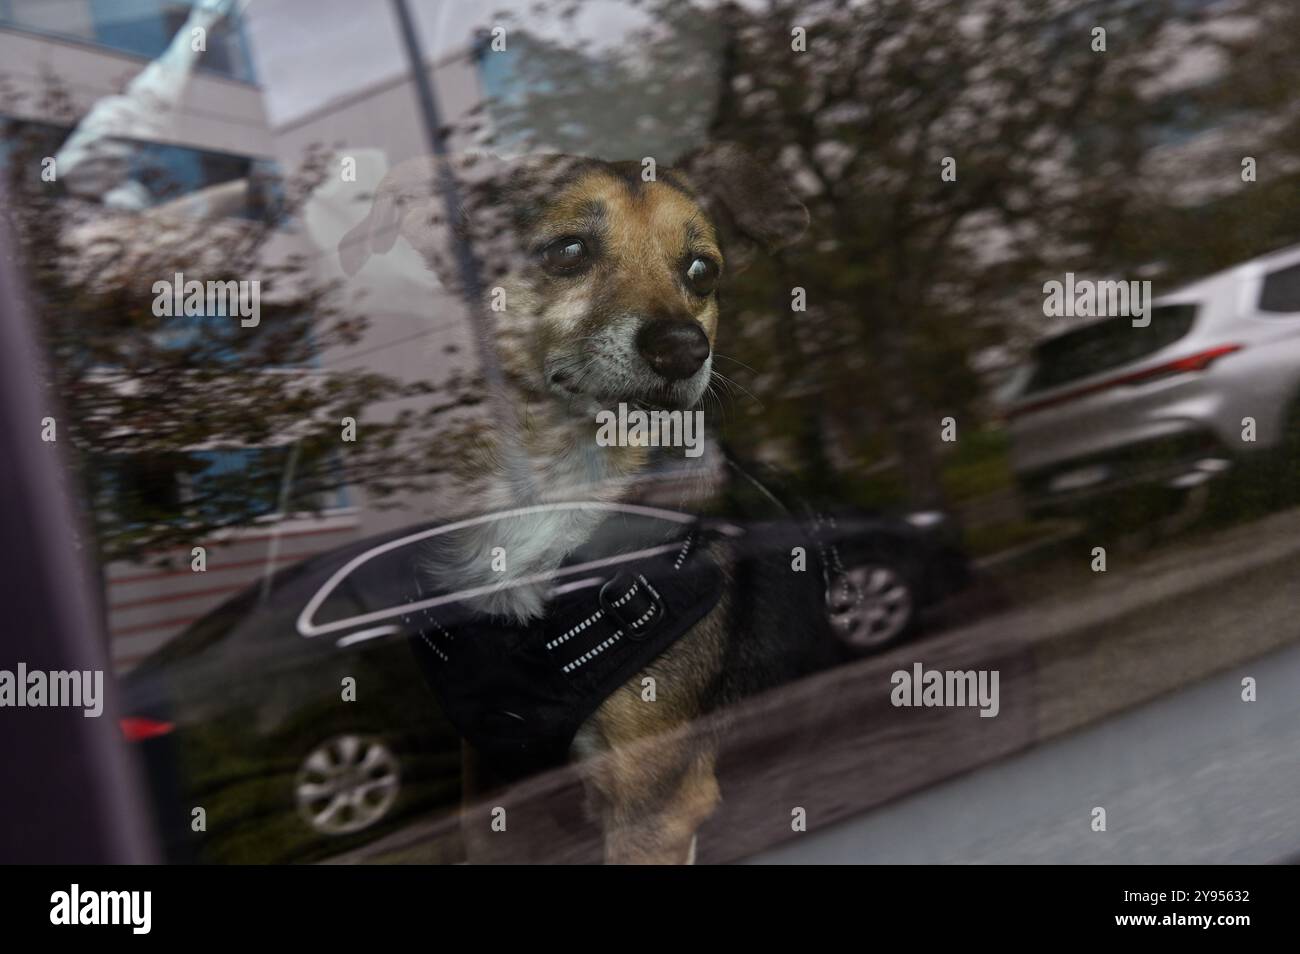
(633, 603)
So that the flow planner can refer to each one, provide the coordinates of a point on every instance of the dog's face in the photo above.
(621, 287)
(603, 286)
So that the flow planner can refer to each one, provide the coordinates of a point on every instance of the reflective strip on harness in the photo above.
(522, 690)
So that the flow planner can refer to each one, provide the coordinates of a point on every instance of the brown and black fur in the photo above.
(567, 345)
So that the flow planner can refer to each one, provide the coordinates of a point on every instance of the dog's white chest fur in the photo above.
(501, 553)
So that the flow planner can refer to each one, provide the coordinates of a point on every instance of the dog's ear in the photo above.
(748, 200)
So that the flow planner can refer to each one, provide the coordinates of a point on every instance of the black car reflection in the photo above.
(292, 724)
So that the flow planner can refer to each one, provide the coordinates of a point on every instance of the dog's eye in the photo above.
(702, 275)
(565, 255)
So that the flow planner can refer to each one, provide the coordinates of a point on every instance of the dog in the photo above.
(600, 281)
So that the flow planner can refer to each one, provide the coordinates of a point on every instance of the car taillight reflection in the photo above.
(137, 728)
(1193, 362)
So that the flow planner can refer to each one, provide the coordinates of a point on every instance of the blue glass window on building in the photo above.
(498, 73)
(167, 171)
(139, 27)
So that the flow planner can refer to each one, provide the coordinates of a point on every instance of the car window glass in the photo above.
(1108, 344)
(1281, 291)
(310, 279)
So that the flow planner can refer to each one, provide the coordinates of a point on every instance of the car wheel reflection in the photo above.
(871, 606)
(347, 784)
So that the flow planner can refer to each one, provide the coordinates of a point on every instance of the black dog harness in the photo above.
(519, 692)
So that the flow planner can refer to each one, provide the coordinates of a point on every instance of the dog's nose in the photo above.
(675, 347)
